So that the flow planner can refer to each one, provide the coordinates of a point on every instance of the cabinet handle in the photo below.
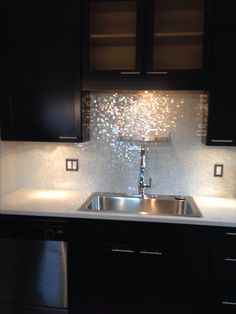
(150, 252)
(222, 141)
(158, 72)
(123, 251)
(67, 137)
(130, 73)
(231, 234)
(230, 259)
(228, 303)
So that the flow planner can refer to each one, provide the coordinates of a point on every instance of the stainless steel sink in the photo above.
(147, 205)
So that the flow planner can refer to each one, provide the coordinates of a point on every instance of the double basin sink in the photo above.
(146, 205)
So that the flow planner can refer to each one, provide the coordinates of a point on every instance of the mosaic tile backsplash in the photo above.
(171, 123)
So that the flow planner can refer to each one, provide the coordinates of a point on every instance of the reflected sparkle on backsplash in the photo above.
(140, 115)
(137, 115)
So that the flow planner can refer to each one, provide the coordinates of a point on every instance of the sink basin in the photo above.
(148, 205)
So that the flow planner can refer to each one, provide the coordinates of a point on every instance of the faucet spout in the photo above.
(142, 185)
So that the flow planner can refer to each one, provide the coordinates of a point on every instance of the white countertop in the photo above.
(216, 211)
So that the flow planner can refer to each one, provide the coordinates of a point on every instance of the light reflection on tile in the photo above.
(143, 115)
(137, 115)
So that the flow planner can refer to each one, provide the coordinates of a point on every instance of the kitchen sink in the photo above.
(147, 205)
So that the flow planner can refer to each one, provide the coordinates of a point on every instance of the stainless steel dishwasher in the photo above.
(33, 267)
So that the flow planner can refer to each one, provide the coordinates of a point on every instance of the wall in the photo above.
(182, 166)
(8, 167)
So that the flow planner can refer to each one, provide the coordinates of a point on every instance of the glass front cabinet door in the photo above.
(177, 32)
(111, 35)
(144, 38)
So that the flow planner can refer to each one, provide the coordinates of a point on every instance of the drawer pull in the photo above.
(157, 72)
(228, 303)
(122, 251)
(230, 259)
(130, 73)
(150, 252)
(231, 234)
(67, 137)
(222, 141)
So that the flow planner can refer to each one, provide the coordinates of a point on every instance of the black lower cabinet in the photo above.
(222, 273)
(112, 279)
(172, 281)
(103, 280)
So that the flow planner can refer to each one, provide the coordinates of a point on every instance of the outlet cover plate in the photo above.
(72, 165)
(218, 170)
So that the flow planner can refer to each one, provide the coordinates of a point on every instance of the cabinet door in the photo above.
(223, 274)
(172, 281)
(41, 69)
(221, 121)
(111, 38)
(103, 280)
(177, 37)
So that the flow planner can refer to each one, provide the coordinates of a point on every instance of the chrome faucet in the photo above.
(142, 185)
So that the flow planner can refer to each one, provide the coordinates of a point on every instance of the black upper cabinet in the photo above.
(42, 101)
(221, 122)
(157, 40)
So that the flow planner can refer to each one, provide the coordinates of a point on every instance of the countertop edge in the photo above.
(219, 212)
(120, 217)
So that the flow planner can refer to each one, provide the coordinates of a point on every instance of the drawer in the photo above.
(223, 274)
(151, 233)
(224, 239)
(222, 305)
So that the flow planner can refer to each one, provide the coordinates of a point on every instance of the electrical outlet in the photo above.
(218, 170)
(72, 165)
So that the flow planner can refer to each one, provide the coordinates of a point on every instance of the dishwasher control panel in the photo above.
(42, 229)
